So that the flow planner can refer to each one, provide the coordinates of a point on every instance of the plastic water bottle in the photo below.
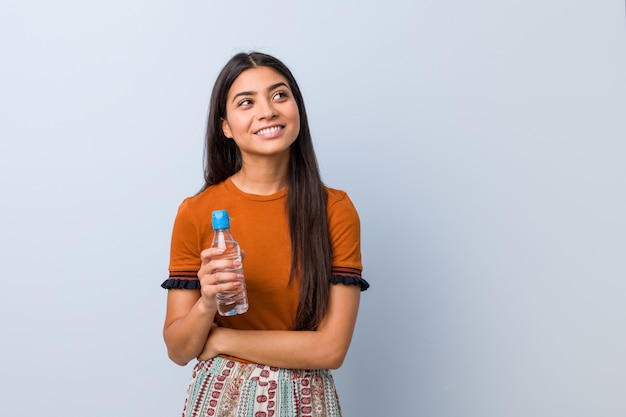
(229, 303)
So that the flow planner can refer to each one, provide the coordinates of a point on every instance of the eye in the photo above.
(244, 102)
(280, 95)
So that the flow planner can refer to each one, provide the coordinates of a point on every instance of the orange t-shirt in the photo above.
(260, 224)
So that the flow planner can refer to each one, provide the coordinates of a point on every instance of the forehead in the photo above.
(256, 80)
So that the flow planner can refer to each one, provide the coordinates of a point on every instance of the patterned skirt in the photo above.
(225, 388)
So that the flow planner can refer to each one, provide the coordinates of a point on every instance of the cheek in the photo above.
(296, 115)
(236, 124)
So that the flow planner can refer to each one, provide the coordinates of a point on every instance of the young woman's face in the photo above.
(261, 113)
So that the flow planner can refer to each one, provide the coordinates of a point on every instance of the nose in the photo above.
(267, 110)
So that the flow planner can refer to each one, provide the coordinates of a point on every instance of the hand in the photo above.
(212, 281)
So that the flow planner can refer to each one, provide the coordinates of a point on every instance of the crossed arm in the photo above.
(193, 335)
(189, 331)
(325, 347)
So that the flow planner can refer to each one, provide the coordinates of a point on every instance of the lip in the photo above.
(270, 131)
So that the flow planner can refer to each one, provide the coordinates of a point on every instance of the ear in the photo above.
(226, 129)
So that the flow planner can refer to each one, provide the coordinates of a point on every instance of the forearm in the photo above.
(191, 312)
(185, 337)
(284, 349)
(323, 348)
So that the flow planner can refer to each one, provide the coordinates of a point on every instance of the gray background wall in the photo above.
(483, 143)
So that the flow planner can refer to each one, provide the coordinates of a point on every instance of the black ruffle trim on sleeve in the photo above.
(351, 280)
(184, 284)
(187, 280)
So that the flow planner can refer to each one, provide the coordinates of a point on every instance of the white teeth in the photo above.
(269, 130)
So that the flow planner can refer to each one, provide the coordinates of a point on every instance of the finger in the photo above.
(207, 254)
(209, 292)
(214, 266)
(217, 278)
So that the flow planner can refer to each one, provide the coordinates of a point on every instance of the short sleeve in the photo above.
(184, 251)
(345, 234)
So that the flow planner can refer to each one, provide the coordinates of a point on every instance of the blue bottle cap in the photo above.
(220, 220)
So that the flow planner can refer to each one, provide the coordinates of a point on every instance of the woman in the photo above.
(302, 261)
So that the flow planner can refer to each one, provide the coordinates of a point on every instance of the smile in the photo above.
(269, 130)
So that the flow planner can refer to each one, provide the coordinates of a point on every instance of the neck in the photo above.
(261, 178)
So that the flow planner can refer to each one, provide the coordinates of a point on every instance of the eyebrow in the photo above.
(251, 93)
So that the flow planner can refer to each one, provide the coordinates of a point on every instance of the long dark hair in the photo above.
(306, 197)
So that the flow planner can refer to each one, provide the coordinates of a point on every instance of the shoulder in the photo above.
(198, 202)
(338, 200)
(345, 235)
(335, 194)
(343, 217)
